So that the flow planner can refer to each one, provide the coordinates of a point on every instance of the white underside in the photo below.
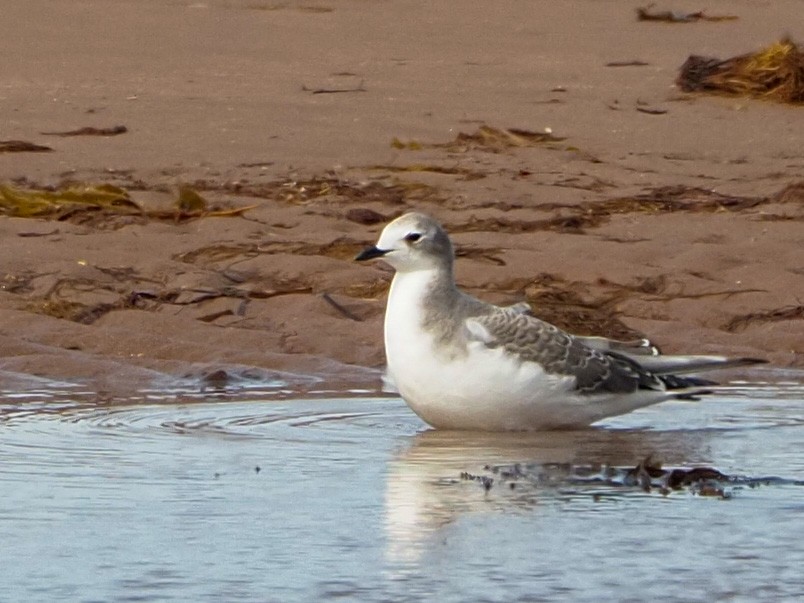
(467, 385)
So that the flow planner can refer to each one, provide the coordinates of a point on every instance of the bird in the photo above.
(461, 363)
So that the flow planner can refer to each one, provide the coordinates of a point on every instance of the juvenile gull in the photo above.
(461, 363)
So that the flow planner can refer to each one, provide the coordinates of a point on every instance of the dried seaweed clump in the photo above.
(486, 138)
(39, 203)
(776, 73)
(495, 140)
(102, 204)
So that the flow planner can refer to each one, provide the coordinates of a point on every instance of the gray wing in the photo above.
(532, 340)
(633, 347)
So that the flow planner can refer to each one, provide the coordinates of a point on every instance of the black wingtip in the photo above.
(370, 253)
(749, 361)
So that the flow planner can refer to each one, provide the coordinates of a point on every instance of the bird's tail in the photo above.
(668, 367)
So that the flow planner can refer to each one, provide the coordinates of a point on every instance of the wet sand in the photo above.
(646, 210)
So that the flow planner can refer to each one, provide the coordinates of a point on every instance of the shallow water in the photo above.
(248, 496)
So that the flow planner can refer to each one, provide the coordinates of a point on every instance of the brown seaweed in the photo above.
(634, 63)
(739, 323)
(99, 203)
(22, 146)
(646, 13)
(90, 131)
(485, 138)
(359, 88)
(774, 73)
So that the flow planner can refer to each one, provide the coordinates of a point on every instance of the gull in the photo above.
(461, 363)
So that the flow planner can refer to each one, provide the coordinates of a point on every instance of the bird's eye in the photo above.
(412, 237)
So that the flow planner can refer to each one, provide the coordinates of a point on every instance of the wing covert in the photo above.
(532, 340)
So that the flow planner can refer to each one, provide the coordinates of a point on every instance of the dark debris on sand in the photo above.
(648, 13)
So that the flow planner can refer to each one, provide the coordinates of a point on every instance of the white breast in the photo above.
(464, 385)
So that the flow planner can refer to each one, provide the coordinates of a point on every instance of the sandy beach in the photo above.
(549, 138)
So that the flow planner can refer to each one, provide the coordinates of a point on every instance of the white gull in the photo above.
(461, 363)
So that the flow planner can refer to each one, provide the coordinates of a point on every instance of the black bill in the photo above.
(369, 253)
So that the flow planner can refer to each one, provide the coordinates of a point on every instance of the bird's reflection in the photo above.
(425, 492)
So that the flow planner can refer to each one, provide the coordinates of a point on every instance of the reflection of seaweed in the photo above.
(648, 476)
(739, 323)
(776, 72)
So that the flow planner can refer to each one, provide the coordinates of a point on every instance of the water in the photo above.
(254, 496)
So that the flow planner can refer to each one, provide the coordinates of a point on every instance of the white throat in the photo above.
(405, 336)
(406, 300)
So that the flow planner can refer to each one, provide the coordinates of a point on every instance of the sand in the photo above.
(618, 206)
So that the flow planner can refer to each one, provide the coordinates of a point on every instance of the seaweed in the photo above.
(774, 73)
(365, 216)
(485, 138)
(22, 146)
(271, 6)
(368, 290)
(645, 13)
(433, 169)
(569, 305)
(485, 254)
(303, 192)
(191, 201)
(102, 204)
(740, 323)
(342, 248)
(340, 308)
(496, 140)
(667, 199)
(633, 63)
(359, 88)
(90, 131)
(59, 204)
(411, 145)
(85, 300)
(792, 193)
(560, 304)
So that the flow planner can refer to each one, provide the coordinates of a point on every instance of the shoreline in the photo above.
(682, 225)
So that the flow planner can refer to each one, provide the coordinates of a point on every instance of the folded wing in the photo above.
(598, 365)
(529, 339)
